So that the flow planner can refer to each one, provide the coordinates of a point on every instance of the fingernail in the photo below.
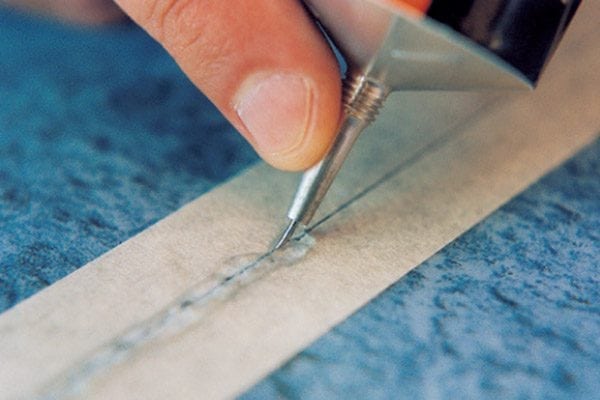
(276, 110)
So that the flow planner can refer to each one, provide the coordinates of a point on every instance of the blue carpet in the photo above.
(100, 136)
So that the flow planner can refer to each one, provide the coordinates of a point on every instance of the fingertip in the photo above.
(290, 118)
(321, 134)
(316, 141)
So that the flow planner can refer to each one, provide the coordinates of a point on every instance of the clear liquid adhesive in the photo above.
(187, 310)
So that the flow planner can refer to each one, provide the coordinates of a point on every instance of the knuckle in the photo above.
(189, 31)
(175, 22)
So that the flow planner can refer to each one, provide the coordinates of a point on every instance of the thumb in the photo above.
(263, 63)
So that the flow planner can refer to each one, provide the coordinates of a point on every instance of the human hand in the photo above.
(263, 63)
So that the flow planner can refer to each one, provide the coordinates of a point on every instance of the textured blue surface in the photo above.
(511, 309)
(100, 136)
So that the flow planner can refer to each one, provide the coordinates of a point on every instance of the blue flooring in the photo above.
(100, 136)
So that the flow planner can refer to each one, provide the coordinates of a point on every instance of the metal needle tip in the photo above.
(286, 235)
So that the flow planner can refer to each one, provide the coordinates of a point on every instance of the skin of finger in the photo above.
(219, 44)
